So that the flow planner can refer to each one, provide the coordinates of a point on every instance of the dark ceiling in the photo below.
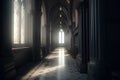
(54, 12)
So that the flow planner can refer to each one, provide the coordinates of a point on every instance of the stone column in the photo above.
(7, 67)
(36, 30)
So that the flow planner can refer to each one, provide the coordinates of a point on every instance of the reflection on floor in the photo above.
(59, 65)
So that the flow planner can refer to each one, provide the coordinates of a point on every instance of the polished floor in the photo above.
(59, 65)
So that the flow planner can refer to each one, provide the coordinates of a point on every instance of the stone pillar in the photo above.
(83, 36)
(36, 30)
(7, 67)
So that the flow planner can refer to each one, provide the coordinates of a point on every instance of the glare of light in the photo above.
(16, 23)
(44, 71)
(40, 72)
(61, 57)
(60, 15)
(60, 22)
(60, 8)
(61, 36)
(61, 63)
(55, 56)
(22, 25)
(68, 1)
(17, 35)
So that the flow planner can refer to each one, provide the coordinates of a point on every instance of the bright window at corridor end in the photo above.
(61, 36)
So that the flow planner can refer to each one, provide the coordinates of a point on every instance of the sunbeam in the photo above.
(61, 57)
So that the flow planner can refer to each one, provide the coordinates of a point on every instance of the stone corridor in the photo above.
(59, 65)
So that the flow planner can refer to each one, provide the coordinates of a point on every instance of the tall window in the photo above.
(61, 37)
(19, 22)
(43, 25)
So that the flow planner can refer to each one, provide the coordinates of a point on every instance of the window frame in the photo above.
(19, 44)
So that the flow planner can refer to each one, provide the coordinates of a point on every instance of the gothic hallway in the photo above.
(59, 39)
(59, 65)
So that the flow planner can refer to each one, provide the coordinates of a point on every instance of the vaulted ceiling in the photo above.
(56, 15)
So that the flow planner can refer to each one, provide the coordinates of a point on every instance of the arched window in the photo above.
(22, 25)
(61, 36)
(16, 22)
(43, 25)
(19, 22)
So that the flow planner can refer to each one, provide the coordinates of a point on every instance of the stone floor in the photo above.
(59, 65)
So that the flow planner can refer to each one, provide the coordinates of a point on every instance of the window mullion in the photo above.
(20, 23)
